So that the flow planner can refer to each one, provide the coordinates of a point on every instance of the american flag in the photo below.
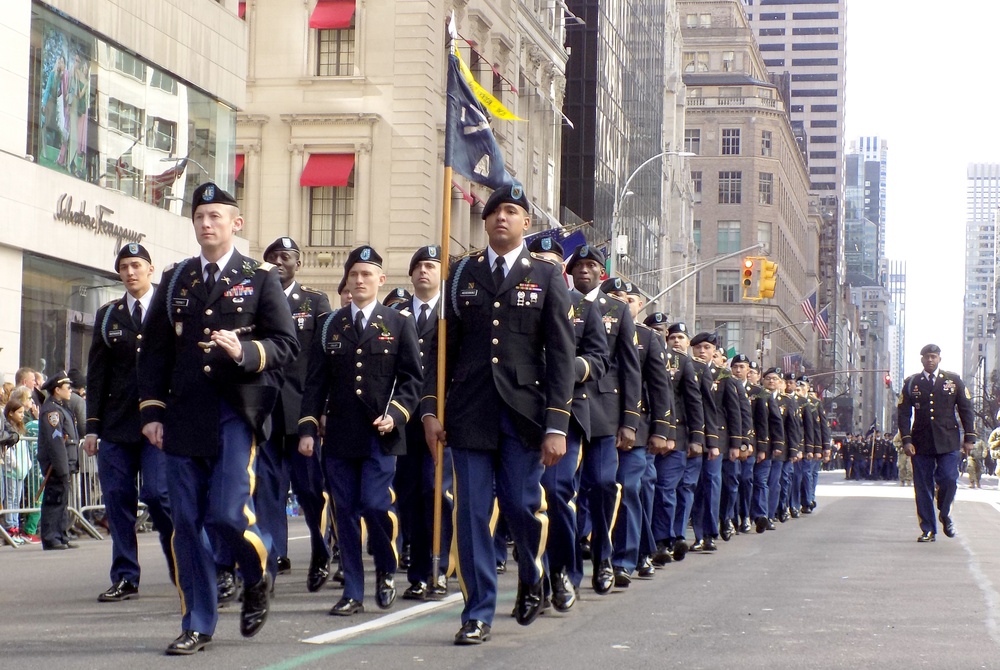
(823, 323)
(809, 307)
(791, 362)
(157, 184)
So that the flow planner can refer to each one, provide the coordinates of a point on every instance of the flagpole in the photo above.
(871, 459)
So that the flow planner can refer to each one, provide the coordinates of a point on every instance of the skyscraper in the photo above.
(979, 322)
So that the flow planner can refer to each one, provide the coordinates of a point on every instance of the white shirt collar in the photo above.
(509, 258)
(366, 310)
(144, 301)
(291, 287)
(592, 296)
(222, 262)
(930, 375)
(431, 304)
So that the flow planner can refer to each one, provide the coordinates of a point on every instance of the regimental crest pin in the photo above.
(516, 191)
(432, 251)
(209, 194)
(366, 254)
(133, 248)
(546, 244)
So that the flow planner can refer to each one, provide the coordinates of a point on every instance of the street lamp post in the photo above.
(620, 195)
(189, 160)
(765, 333)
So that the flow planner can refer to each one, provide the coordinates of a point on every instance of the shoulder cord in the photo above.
(104, 327)
(454, 285)
(171, 286)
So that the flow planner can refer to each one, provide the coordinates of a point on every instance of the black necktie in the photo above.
(137, 314)
(212, 269)
(359, 323)
(422, 319)
(498, 272)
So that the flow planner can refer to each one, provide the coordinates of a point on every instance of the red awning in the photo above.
(332, 14)
(466, 196)
(243, 10)
(240, 158)
(327, 170)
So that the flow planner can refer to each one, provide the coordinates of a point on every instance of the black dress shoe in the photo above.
(227, 586)
(189, 642)
(795, 513)
(727, 530)
(708, 544)
(760, 523)
(622, 578)
(528, 604)
(416, 591)
(948, 526)
(385, 590)
(255, 606)
(679, 549)
(501, 567)
(585, 549)
(699, 545)
(473, 632)
(604, 577)
(926, 537)
(317, 576)
(284, 565)
(347, 607)
(745, 525)
(123, 590)
(338, 576)
(812, 505)
(54, 546)
(440, 589)
(645, 569)
(807, 509)
(70, 545)
(563, 592)
(662, 555)
(404, 558)
(784, 516)
(769, 524)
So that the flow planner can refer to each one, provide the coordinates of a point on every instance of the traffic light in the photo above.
(768, 279)
(747, 273)
(888, 380)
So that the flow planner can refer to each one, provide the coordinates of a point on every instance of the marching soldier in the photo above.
(769, 427)
(780, 482)
(280, 460)
(217, 336)
(113, 418)
(365, 375)
(614, 411)
(931, 406)
(57, 458)
(510, 374)
(746, 477)
(732, 469)
(810, 448)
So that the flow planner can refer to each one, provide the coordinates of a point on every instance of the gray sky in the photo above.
(921, 76)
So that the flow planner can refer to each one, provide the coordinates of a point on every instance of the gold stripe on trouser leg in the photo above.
(177, 573)
(395, 526)
(614, 516)
(495, 517)
(323, 519)
(452, 547)
(364, 532)
(543, 537)
(579, 461)
(255, 541)
(453, 551)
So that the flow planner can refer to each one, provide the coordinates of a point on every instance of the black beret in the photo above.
(772, 371)
(546, 244)
(363, 254)
(789, 376)
(132, 250)
(586, 252)
(513, 193)
(209, 193)
(616, 285)
(396, 296)
(285, 243)
(678, 327)
(702, 338)
(77, 378)
(802, 379)
(342, 285)
(754, 365)
(431, 252)
(740, 358)
(656, 319)
(930, 349)
(55, 380)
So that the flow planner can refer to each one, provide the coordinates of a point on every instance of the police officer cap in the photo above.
(513, 193)
(282, 244)
(678, 327)
(586, 252)
(930, 349)
(363, 254)
(616, 285)
(656, 319)
(772, 371)
(754, 365)
(546, 244)
(703, 338)
(55, 380)
(740, 358)
(132, 250)
(396, 297)
(210, 194)
(431, 252)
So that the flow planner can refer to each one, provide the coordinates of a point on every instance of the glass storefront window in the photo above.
(102, 114)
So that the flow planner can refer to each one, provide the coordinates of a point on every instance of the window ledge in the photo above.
(311, 81)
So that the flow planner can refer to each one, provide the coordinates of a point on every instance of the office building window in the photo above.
(696, 186)
(692, 140)
(730, 141)
(696, 234)
(730, 187)
(331, 216)
(765, 143)
(336, 52)
(729, 335)
(696, 61)
(727, 285)
(728, 61)
(728, 237)
(764, 236)
(765, 187)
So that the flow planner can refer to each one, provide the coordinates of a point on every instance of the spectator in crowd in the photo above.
(5, 392)
(29, 522)
(26, 377)
(16, 465)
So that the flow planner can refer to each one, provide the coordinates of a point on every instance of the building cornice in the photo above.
(359, 118)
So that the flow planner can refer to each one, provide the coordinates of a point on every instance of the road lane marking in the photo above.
(383, 621)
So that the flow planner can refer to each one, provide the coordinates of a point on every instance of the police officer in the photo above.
(113, 418)
(656, 432)
(614, 411)
(279, 460)
(57, 458)
(365, 373)
(769, 428)
(510, 379)
(218, 335)
(929, 405)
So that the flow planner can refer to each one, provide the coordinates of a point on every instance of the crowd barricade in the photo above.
(85, 493)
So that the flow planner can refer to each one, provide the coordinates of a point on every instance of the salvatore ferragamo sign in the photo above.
(99, 223)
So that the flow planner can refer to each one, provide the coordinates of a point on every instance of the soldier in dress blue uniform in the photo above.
(113, 418)
(657, 322)
(735, 461)
(365, 374)
(218, 335)
(780, 478)
(614, 411)
(57, 459)
(656, 432)
(279, 460)
(510, 379)
(753, 388)
(810, 448)
(769, 429)
(931, 406)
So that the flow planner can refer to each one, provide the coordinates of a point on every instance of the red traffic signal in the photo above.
(888, 381)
